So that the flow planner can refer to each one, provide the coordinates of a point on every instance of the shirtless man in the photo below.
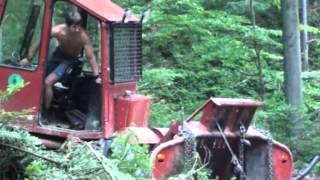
(72, 40)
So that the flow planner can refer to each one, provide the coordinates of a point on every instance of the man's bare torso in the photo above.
(70, 42)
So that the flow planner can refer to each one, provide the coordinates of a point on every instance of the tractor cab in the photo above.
(80, 106)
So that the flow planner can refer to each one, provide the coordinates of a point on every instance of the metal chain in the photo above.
(189, 146)
(237, 166)
(242, 131)
(269, 146)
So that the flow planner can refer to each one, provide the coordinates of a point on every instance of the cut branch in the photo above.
(107, 170)
(33, 154)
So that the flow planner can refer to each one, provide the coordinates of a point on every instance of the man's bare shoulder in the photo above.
(84, 35)
(58, 29)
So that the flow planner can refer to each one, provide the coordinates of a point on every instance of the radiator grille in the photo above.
(126, 52)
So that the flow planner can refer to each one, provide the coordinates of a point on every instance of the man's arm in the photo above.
(31, 53)
(35, 47)
(90, 54)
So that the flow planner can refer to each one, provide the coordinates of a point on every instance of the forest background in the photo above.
(197, 49)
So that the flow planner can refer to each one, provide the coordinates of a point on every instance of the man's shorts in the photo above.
(59, 64)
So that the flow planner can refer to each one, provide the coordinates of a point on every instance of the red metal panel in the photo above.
(167, 159)
(282, 162)
(46, 35)
(132, 110)
(2, 8)
(226, 102)
(235, 102)
(107, 125)
(28, 97)
(111, 92)
(105, 10)
(230, 111)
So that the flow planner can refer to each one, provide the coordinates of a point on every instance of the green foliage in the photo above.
(309, 29)
(35, 167)
(200, 38)
(206, 52)
(83, 160)
(210, 49)
(75, 159)
(11, 89)
(5, 116)
(276, 3)
(131, 157)
(309, 144)
(12, 158)
(170, 98)
(197, 171)
(13, 27)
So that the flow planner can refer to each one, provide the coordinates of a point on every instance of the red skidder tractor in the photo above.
(219, 131)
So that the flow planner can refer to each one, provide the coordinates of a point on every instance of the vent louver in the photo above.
(125, 52)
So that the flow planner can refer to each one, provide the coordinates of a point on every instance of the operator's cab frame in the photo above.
(120, 56)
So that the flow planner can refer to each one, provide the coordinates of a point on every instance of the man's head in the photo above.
(73, 20)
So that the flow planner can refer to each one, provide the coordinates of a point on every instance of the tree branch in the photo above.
(28, 152)
(107, 170)
(312, 40)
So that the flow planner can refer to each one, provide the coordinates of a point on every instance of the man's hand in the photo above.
(24, 62)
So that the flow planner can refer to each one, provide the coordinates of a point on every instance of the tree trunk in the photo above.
(304, 38)
(292, 64)
(260, 87)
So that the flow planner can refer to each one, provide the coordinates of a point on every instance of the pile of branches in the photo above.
(21, 156)
(12, 155)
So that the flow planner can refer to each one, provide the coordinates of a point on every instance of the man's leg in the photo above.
(49, 81)
(52, 78)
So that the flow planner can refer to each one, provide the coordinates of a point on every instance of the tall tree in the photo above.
(304, 38)
(292, 63)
